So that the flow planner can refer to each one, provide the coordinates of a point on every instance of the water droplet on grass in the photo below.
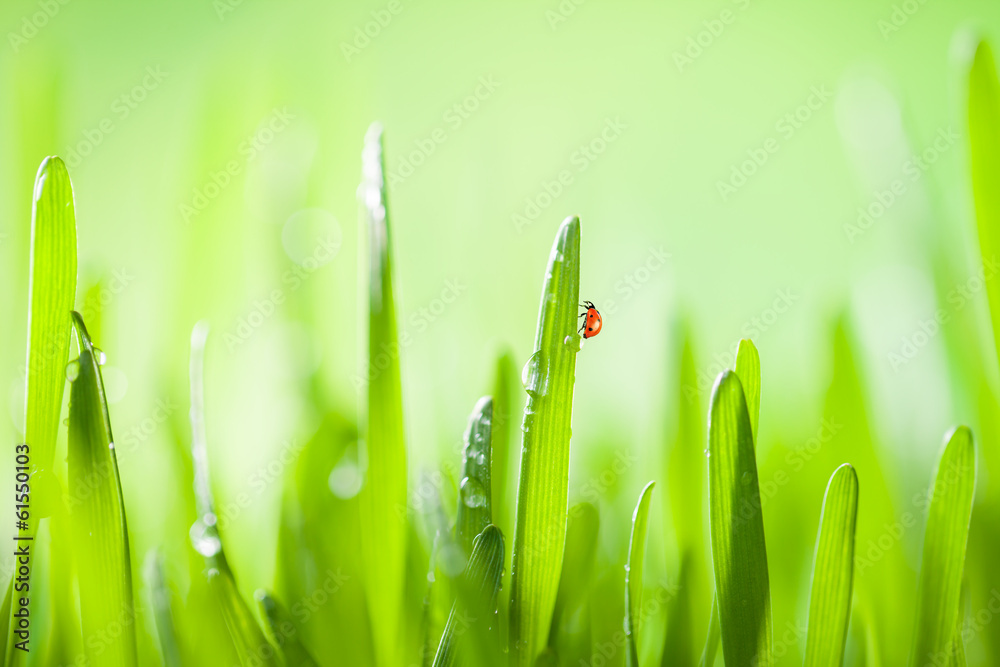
(100, 356)
(204, 536)
(473, 493)
(534, 376)
(73, 370)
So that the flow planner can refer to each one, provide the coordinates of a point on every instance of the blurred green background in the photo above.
(214, 150)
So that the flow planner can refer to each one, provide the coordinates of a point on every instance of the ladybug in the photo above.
(592, 324)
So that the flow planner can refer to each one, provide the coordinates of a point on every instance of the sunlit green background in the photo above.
(781, 259)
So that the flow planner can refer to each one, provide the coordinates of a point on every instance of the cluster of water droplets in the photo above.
(472, 490)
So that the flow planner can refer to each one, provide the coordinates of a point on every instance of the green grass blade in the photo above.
(283, 631)
(51, 293)
(542, 490)
(714, 636)
(582, 528)
(833, 572)
(504, 386)
(748, 370)
(475, 492)
(738, 550)
(984, 156)
(384, 493)
(464, 640)
(98, 513)
(162, 617)
(633, 575)
(945, 540)
(249, 641)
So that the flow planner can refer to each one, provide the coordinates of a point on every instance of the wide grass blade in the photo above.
(542, 491)
(384, 494)
(945, 540)
(465, 637)
(283, 631)
(833, 572)
(51, 293)
(475, 492)
(984, 155)
(98, 513)
(738, 550)
(633, 575)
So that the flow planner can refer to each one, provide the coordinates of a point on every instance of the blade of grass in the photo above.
(945, 540)
(98, 513)
(51, 293)
(283, 631)
(833, 572)
(984, 156)
(748, 371)
(633, 575)
(582, 526)
(384, 493)
(738, 550)
(464, 640)
(251, 645)
(542, 490)
(162, 617)
(503, 415)
(475, 493)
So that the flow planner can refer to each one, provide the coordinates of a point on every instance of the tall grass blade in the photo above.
(633, 575)
(945, 541)
(465, 637)
(251, 646)
(51, 293)
(475, 492)
(714, 636)
(738, 550)
(98, 512)
(162, 617)
(542, 492)
(984, 155)
(504, 386)
(283, 631)
(383, 500)
(833, 572)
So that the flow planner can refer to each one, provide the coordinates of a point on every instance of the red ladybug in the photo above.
(592, 324)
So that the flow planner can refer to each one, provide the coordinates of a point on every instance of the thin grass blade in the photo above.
(383, 498)
(465, 639)
(162, 617)
(283, 631)
(633, 575)
(833, 572)
(945, 540)
(739, 553)
(475, 492)
(98, 513)
(542, 492)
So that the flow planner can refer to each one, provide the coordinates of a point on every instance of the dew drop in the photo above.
(73, 370)
(747, 478)
(574, 342)
(481, 458)
(100, 356)
(204, 536)
(534, 376)
(707, 452)
(473, 493)
(345, 479)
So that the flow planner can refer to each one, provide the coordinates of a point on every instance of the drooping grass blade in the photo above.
(51, 292)
(633, 575)
(833, 572)
(738, 550)
(384, 492)
(542, 491)
(97, 509)
(465, 640)
(945, 541)
(475, 490)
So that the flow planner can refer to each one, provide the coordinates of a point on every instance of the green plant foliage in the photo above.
(633, 575)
